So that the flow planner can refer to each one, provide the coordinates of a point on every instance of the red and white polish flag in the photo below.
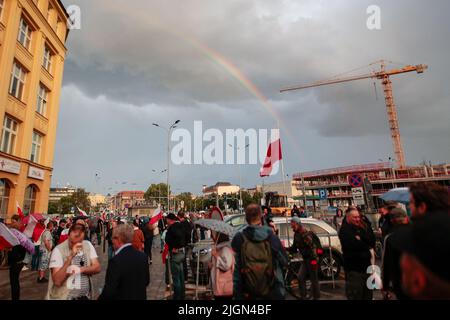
(83, 213)
(7, 238)
(274, 155)
(19, 211)
(156, 216)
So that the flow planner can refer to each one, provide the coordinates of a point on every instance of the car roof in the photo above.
(320, 223)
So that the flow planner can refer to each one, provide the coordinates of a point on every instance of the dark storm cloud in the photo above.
(141, 57)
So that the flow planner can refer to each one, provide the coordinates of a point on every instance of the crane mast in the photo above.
(383, 75)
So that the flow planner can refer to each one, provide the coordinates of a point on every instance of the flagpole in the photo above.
(285, 192)
(284, 186)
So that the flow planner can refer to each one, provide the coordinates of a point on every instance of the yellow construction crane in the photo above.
(383, 75)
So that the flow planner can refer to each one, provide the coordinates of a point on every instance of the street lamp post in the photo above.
(159, 185)
(168, 157)
(241, 203)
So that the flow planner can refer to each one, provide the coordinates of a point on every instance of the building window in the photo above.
(24, 34)
(2, 6)
(36, 146)
(47, 62)
(30, 199)
(9, 135)
(49, 11)
(42, 100)
(17, 85)
(5, 191)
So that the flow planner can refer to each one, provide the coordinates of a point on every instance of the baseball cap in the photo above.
(428, 240)
(398, 213)
(296, 220)
(171, 216)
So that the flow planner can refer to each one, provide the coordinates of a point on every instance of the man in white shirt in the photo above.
(72, 264)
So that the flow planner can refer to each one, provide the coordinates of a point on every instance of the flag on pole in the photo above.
(19, 211)
(156, 216)
(33, 229)
(7, 238)
(274, 155)
(83, 213)
(31, 225)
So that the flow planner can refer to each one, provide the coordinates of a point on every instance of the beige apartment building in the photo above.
(33, 34)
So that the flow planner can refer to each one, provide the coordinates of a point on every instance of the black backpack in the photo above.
(257, 270)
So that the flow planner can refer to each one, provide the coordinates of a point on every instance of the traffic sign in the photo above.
(323, 205)
(358, 196)
(355, 180)
(323, 194)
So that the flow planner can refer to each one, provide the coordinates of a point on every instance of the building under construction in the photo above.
(381, 177)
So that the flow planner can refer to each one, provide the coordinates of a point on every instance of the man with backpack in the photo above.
(259, 260)
(309, 246)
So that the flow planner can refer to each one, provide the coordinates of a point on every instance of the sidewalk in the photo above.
(31, 290)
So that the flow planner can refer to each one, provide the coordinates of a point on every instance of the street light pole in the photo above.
(168, 157)
(241, 203)
(159, 187)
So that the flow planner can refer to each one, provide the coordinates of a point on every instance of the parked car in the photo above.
(331, 260)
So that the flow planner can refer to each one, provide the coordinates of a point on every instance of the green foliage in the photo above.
(64, 206)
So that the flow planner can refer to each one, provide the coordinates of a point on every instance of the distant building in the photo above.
(220, 188)
(33, 50)
(382, 178)
(97, 199)
(126, 199)
(57, 193)
(289, 189)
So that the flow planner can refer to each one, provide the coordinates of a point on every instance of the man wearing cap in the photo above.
(384, 223)
(176, 241)
(391, 274)
(72, 264)
(307, 243)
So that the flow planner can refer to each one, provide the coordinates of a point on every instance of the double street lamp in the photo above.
(241, 203)
(168, 130)
(159, 184)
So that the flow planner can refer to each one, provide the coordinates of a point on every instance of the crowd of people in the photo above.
(252, 263)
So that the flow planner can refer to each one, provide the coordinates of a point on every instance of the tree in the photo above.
(80, 199)
(53, 208)
(186, 197)
(157, 192)
(64, 206)
(257, 196)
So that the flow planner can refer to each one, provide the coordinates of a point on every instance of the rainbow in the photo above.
(226, 65)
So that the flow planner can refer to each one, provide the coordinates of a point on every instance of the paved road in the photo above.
(31, 290)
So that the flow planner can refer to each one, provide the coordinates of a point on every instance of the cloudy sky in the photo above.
(135, 62)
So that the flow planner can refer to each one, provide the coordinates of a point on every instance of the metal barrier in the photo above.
(203, 256)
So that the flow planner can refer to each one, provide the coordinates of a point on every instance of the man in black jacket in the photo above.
(188, 228)
(307, 243)
(127, 276)
(15, 261)
(357, 240)
(391, 273)
(176, 240)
